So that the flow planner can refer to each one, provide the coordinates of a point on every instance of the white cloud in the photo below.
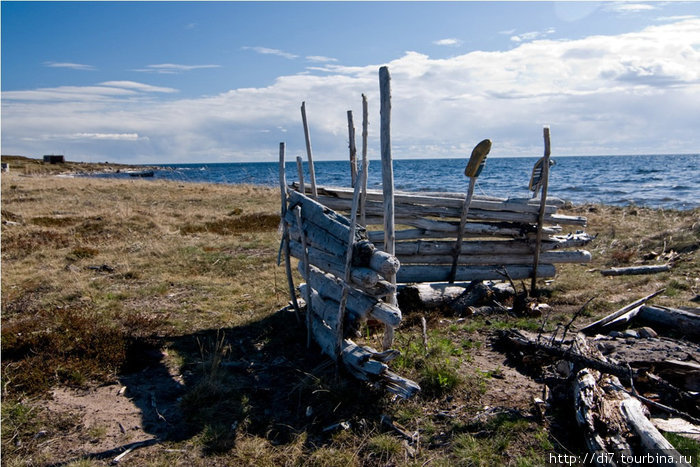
(450, 42)
(173, 68)
(137, 86)
(72, 66)
(628, 7)
(629, 93)
(320, 59)
(268, 51)
(530, 36)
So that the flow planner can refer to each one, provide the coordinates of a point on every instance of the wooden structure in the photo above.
(54, 159)
(351, 273)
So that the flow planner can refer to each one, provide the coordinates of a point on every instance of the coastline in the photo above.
(150, 275)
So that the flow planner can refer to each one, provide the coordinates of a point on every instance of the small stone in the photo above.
(647, 332)
(630, 333)
(615, 334)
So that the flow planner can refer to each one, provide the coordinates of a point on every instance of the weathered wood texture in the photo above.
(499, 232)
(345, 277)
(633, 270)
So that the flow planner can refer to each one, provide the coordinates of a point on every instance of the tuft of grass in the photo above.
(384, 449)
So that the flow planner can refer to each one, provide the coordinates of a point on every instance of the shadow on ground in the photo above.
(260, 378)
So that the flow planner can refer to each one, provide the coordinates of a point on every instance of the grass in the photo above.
(101, 275)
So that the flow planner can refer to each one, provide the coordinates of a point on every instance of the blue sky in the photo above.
(148, 82)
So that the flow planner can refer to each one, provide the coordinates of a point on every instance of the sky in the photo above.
(195, 82)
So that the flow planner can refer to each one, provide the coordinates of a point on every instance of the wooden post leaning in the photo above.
(307, 137)
(300, 174)
(365, 161)
(348, 264)
(353, 150)
(543, 205)
(387, 183)
(285, 235)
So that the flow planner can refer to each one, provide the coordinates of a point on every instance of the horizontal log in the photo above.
(653, 269)
(578, 256)
(681, 321)
(450, 199)
(320, 239)
(631, 309)
(652, 440)
(474, 247)
(428, 273)
(375, 208)
(363, 277)
(358, 302)
(327, 310)
(325, 218)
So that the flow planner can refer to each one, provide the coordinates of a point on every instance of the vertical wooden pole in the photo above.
(348, 264)
(365, 161)
(307, 137)
(543, 205)
(353, 149)
(300, 174)
(387, 183)
(285, 235)
(307, 274)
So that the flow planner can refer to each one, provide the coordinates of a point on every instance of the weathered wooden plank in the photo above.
(285, 231)
(473, 247)
(440, 229)
(404, 209)
(449, 199)
(428, 273)
(543, 205)
(578, 256)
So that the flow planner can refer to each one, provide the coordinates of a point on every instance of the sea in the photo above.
(656, 181)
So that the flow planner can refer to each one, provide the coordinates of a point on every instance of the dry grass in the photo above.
(102, 278)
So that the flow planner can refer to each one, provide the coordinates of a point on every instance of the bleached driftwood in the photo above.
(428, 273)
(327, 232)
(653, 441)
(490, 247)
(387, 183)
(448, 199)
(682, 321)
(359, 303)
(619, 314)
(361, 362)
(406, 209)
(363, 277)
(652, 269)
(307, 138)
(578, 256)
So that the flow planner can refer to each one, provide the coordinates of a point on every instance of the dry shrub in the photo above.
(63, 345)
(245, 223)
(20, 243)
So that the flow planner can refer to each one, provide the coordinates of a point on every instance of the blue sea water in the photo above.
(664, 181)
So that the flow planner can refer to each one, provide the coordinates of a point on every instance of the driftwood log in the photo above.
(652, 269)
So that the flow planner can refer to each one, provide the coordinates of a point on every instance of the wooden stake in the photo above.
(307, 273)
(365, 161)
(543, 204)
(387, 182)
(307, 137)
(300, 173)
(285, 235)
(348, 264)
(353, 149)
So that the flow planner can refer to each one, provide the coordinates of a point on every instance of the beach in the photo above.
(154, 312)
